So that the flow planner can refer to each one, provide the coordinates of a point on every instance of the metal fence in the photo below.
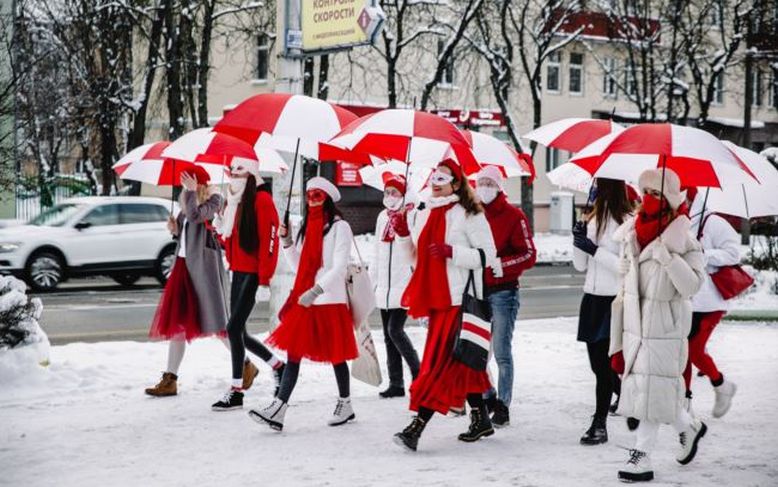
(32, 197)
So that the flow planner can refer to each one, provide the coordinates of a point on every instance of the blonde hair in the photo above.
(203, 191)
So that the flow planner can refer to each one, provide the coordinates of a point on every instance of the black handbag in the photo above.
(474, 336)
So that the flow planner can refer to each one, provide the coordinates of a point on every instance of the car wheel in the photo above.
(165, 263)
(127, 279)
(45, 271)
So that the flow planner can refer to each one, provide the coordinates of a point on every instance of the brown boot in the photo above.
(250, 372)
(166, 387)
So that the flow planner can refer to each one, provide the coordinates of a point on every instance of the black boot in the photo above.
(392, 391)
(613, 407)
(277, 375)
(501, 417)
(491, 404)
(633, 423)
(480, 426)
(596, 434)
(409, 437)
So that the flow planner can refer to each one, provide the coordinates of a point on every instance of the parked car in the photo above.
(122, 237)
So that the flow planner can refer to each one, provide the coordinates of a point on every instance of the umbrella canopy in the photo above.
(373, 175)
(699, 158)
(152, 151)
(209, 147)
(403, 135)
(573, 134)
(279, 120)
(491, 151)
(167, 172)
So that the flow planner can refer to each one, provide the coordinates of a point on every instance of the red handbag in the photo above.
(731, 281)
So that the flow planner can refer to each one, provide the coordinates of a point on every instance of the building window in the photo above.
(773, 89)
(553, 72)
(718, 90)
(553, 159)
(263, 57)
(609, 86)
(446, 78)
(756, 92)
(630, 80)
(576, 73)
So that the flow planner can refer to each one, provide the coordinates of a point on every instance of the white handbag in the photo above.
(366, 367)
(361, 298)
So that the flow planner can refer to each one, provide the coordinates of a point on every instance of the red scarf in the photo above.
(310, 257)
(428, 288)
(648, 223)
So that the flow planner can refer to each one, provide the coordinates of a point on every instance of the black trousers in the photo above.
(398, 346)
(242, 297)
(292, 371)
(607, 380)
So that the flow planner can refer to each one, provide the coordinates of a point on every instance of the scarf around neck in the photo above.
(310, 257)
(226, 221)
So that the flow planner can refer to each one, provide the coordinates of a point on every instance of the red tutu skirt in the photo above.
(322, 333)
(443, 382)
(177, 315)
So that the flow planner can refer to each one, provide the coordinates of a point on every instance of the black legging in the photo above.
(476, 401)
(242, 296)
(292, 371)
(398, 346)
(606, 378)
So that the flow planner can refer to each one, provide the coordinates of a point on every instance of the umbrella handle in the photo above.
(291, 185)
(662, 192)
(702, 214)
(407, 167)
(173, 188)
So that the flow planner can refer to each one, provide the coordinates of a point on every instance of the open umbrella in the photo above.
(167, 172)
(145, 152)
(491, 151)
(373, 175)
(572, 134)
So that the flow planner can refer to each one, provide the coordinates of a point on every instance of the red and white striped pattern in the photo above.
(167, 172)
(206, 146)
(491, 151)
(476, 330)
(145, 152)
(572, 134)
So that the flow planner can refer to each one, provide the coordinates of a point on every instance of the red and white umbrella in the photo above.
(279, 121)
(209, 147)
(167, 172)
(699, 158)
(373, 175)
(145, 152)
(572, 134)
(491, 151)
(403, 135)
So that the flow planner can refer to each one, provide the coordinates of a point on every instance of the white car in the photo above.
(123, 237)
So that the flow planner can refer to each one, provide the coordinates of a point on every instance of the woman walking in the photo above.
(663, 267)
(453, 238)
(597, 253)
(315, 322)
(249, 229)
(193, 303)
(390, 272)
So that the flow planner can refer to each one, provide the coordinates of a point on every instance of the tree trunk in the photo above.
(391, 82)
(308, 66)
(204, 65)
(324, 75)
(175, 105)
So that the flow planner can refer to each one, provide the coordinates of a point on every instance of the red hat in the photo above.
(456, 169)
(200, 174)
(395, 181)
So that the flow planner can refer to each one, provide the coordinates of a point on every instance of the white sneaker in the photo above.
(638, 468)
(343, 412)
(724, 393)
(272, 415)
(689, 440)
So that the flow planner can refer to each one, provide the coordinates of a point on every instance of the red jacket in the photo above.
(263, 262)
(513, 239)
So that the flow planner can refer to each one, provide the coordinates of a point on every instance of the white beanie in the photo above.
(491, 172)
(240, 165)
(325, 185)
(652, 179)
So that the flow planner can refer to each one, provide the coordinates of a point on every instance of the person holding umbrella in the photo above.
(663, 267)
(249, 230)
(395, 257)
(315, 321)
(193, 303)
(451, 233)
(596, 253)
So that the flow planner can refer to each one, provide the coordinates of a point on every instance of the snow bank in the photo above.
(25, 359)
(763, 295)
(86, 423)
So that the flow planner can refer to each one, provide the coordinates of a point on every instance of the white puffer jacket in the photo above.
(392, 264)
(651, 318)
(721, 245)
(602, 268)
(465, 233)
(336, 253)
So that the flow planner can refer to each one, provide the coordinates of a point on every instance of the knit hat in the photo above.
(323, 184)
(395, 181)
(240, 165)
(652, 179)
(491, 172)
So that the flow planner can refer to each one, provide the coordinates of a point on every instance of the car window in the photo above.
(57, 215)
(143, 213)
(103, 215)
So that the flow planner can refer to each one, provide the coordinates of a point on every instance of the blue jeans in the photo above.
(505, 307)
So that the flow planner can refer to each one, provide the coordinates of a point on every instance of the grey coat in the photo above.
(204, 261)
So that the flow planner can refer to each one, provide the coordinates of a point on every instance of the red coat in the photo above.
(262, 262)
(513, 239)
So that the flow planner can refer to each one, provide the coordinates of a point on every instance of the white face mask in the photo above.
(486, 193)
(237, 185)
(392, 202)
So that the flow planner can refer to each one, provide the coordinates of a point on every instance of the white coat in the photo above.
(392, 264)
(651, 319)
(721, 246)
(336, 253)
(465, 233)
(602, 268)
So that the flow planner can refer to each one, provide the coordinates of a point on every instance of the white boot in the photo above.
(343, 412)
(272, 415)
(638, 468)
(687, 405)
(724, 393)
(689, 439)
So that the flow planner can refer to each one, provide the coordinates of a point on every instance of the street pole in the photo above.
(745, 226)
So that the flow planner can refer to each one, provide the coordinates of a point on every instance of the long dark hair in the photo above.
(612, 202)
(247, 216)
(330, 213)
(467, 198)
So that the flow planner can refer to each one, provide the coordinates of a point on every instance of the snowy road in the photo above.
(85, 422)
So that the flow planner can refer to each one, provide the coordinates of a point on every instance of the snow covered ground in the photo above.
(84, 421)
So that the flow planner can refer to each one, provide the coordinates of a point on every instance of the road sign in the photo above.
(331, 25)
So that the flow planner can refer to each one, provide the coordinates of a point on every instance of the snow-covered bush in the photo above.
(19, 328)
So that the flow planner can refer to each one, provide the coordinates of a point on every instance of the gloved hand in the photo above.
(263, 294)
(306, 299)
(400, 224)
(584, 243)
(661, 254)
(617, 362)
(579, 228)
(441, 251)
(285, 235)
